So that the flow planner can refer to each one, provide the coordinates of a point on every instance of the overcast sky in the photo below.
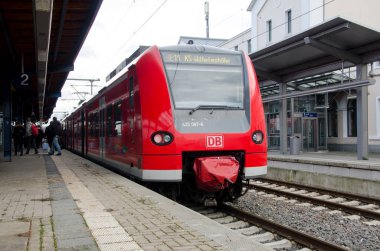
(122, 25)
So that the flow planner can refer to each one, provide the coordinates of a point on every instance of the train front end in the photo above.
(217, 128)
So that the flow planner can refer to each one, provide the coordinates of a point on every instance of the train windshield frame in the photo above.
(199, 79)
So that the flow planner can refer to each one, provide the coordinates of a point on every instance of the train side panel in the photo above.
(256, 154)
(93, 129)
(157, 162)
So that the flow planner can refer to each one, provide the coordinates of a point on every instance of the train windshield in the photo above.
(205, 79)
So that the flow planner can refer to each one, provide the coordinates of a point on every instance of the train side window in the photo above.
(109, 127)
(75, 129)
(76, 125)
(117, 111)
(96, 124)
(91, 125)
(78, 128)
(131, 93)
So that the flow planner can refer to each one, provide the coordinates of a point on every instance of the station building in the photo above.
(319, 120)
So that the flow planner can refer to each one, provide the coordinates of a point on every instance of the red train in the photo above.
(186, 116)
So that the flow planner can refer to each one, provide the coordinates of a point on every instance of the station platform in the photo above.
(69, 203)
(339, 171)
(333, 157)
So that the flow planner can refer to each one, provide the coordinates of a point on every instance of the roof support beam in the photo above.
(60, 29)
(60, 68)
(43, 11)
(336, 52)
(267, 75)
(297, 87)
(7, 39)
(257, 56)
(326, 89)
(321, 66)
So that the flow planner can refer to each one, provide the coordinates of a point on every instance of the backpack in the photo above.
(56, 128)
(34, 130)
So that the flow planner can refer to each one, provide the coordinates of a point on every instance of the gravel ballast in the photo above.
(352, 234)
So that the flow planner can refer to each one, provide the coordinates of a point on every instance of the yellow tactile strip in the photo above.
(108, 233)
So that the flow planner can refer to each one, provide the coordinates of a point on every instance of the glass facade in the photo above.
(306, 118)
(272, 116)
(351, 118)
(314, 118)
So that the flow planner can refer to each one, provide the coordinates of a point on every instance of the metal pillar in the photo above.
(362, 114)
(7, 119)
(207, 16)
(283, 121)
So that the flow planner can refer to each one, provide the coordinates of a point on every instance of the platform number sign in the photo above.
(24, 79)
(21, 81)
(214, 141)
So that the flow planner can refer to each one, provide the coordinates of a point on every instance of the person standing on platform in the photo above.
(49, 136)
(18, 138)
(30, 138)
(39, 137)
(56, 132)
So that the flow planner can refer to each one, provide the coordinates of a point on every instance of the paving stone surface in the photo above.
(153, 222)
(69, 203)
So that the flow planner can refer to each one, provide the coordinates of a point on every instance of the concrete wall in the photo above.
(275, 11)
(305, 13)
(362, 12)
(374, 112)
(374, 108)
(365, 13)
(358, 181)
(345, 143)
(336, 183)
(373, 147)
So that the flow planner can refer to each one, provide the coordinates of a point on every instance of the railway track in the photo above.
(349, 203)
(269, 233)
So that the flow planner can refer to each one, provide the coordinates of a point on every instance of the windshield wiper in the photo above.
(213, 107)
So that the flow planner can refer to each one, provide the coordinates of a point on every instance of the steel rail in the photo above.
(333, 205)
(350, 196)
(287, 232)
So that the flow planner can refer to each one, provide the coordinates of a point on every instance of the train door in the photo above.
(310, 135)
(82, 132)
(131, 135)
(102, 109)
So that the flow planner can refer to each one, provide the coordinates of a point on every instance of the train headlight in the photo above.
(167, 138)
(162, 138)
(258, 137)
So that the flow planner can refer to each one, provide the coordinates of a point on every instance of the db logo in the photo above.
(214, 141)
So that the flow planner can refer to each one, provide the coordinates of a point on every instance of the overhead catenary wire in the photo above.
(285, 23)
(242, 42)
(133, 34)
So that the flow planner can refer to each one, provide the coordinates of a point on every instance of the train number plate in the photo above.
(214, 141)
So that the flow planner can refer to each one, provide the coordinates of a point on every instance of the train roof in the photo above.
(198, 48)
(117, 78)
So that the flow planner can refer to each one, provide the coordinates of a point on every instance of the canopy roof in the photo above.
(41, 39)
(320, 49)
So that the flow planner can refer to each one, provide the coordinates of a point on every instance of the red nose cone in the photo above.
(215, 173)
